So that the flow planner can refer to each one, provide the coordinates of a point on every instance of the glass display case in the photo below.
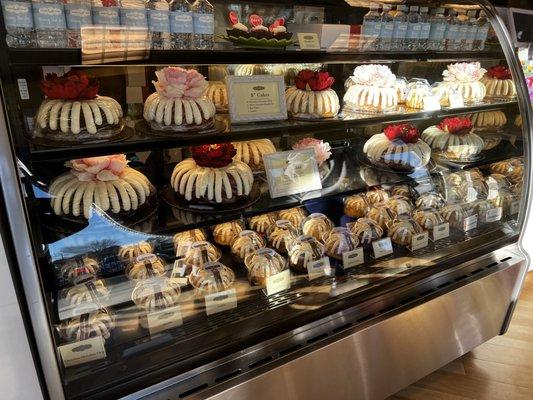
(198, 194)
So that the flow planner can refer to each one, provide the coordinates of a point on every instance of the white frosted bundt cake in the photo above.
(398, 147)
(74, 110)
(105, 182)
(179, 103)
(465, 79)
(417, 90)
(454, 139)
(212, 176)
(251, 152)
(373, 90)
(216, 92)
(499, 83)
(250, 69)
(312, 97)
(488, 120)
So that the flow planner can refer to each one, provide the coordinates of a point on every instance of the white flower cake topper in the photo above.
(105, 168)
(463, 72)
(176, 82)
(374, 75)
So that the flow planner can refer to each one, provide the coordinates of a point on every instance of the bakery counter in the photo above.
(138, 137)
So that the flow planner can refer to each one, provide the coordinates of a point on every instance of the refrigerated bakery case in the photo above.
(167, 249)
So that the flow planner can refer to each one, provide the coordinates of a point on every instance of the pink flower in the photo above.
(176, 82)
(322, 149)
(105, 168)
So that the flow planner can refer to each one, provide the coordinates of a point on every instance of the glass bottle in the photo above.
(106, 12)
(181, 25)
(437, 33)
(78, 14)
(50, 23)
(400, 28)
(372, 27)
(413, 29)
(425, 28)
(18, 20)
(387, 28)
(159, 23)
(204, 25)
(452, 32)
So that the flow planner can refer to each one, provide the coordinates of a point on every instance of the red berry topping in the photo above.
(407, 133)
(74, 85)
(456, 125)
(213, 155)
(499, 72)
(311, 80)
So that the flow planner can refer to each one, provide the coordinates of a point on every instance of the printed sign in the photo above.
(431, 103)
(494, 214)
(456, 100)
(353, 258)
(441, 231)
(278, 282)
(164, 319)
(470, 223)
(83, 351)
(382, 247)
(419, 241)
(309, 41)
(318, 268)
(514, 207)
(220, 301)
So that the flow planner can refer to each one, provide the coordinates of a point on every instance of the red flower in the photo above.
(499, 72)
(74, 85)
(404, 132)
(213, 155)
(529, 81)
(316, 81)
(109, 3)
(456, 125)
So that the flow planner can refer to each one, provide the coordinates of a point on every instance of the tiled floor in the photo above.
(501, 369)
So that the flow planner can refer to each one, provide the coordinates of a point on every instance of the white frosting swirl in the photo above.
(374, 75)
(279, 29)
(260, 28)
(240, 27)
(463, 72)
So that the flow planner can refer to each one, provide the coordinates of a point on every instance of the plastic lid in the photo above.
(213, 277)
(245, 243)
(201, 253)
(263, 263)
(146, 266)
(304, 249)
(339, 240)
(413, 8)
(156, 294)
(316, 225)
(365, 230)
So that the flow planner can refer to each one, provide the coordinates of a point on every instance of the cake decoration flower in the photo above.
(404, 132)
(322, 149)
(464, 72)
(104, 168)
(374, 75)
(499, 72)
(315, 81)
(74, 85)
(456, 125)
(213, 155)
(176, 82)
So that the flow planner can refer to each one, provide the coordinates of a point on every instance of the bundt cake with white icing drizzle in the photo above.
(465, 79)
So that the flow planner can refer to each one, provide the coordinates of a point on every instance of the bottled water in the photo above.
(106, 12)
(483, 25)
(400, 28)
(463, 30)
(50, 23)
(133, 14)
(203, 24)
(18, 20)
(437, 33)
(159, 23)
(78, 14)
(387, 28)
(425, 28)
(472, 30)
(413, 29)
(372, 28)
(452, 32)
(181, 25)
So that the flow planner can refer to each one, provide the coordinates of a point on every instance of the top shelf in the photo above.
(223, 54)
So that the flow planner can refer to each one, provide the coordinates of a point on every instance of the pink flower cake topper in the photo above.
(176, 82)
(374, 75)
(322, 149)
(105, 168)
(464, 72)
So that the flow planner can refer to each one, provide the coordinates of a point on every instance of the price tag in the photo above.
(353, 258)
(419, 241)
(514, 207)
(220, 301)
(470, 223)
(309, 41)
(471, 194)
(83, 351)
(441, 231)
(279, 282)
(382, 247)
(431, 103)
(493, 193)
(318, 268)
(179, 272)
(456, 100)
(23, 89)
(494, 214)
(164, 319)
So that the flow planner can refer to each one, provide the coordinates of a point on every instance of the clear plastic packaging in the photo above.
(496, 182)
(486, 211)
(402, 191)
(399, 205)
(245, 243)
(491, 140)
(184, 240)
(428, 218)
(376, 196)
(263, 263)
(263, 223)
(455, 215)
(366, 231)
(201, 253)
(225, 233)
(339, 240)
(88, 325)
(78, 268)
(473, 190)
(145, 266)
(508, 201)
(430, 200)
(294, 215)
(303, 250)
(90, 290)
(281, 234)
(356, 206)
(316, 225)
(156, 294)
(417, 90)
(401, 231)
(212, 278)
(131, 251)
(216, 92)
(512, 168)
(382, 214)
(401, 85)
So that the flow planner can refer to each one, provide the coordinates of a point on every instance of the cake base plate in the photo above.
(144, 127)
(49, 140)
(430, 166)
(440, 158)
(168, 195)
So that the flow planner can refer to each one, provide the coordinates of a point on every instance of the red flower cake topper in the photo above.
(255, 20)
(499, 72)
(213, 155)
(74, 85)
(456, 125)
(315, 81)
(404, 132)
(233, 18)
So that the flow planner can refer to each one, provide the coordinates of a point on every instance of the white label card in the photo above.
(164, 319)
(419, 241)
(23, 89)
(382, 247)
(441, 231)
(220, 301)
(494, 214)
(431, 103)
(353, 258)
(318, 268)
(83, 351)
(308, 41)
(470, 223)
(456, 100)
(514, 207)
(278, 282)
(179, 272)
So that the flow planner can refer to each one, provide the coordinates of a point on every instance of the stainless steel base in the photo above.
(376, 358)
